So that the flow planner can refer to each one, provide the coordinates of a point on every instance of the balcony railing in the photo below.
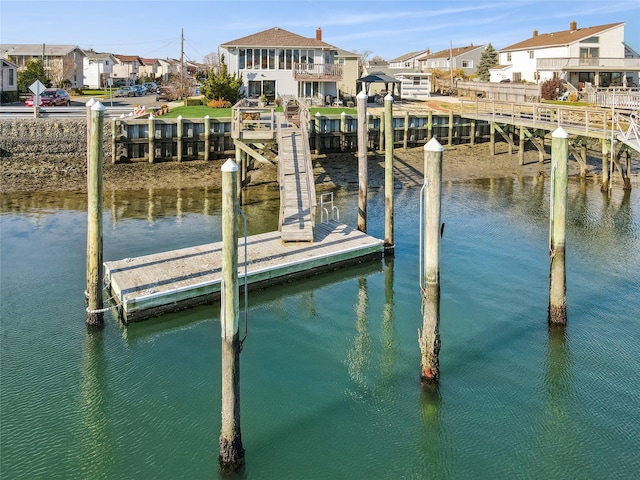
(327, 72)
(597, 64)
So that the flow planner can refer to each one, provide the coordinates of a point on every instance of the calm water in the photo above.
(330, 367)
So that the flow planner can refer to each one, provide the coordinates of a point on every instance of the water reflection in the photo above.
(388, 330)
(358, 357)
(95, 443)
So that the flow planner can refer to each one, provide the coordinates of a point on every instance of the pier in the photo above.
(153, 284)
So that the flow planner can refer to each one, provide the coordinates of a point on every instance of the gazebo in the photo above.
(380, 77)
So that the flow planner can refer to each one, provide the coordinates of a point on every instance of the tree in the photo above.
(552, 89)
(212, 60)
(222, 85)
(34, 71)
(62, 71)
(488, 59)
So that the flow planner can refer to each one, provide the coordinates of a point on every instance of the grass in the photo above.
(200, 111)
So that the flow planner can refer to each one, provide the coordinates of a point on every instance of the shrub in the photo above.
(572, 97)
(193, 102)
(552, 89)
(219, 103)
(78, 91)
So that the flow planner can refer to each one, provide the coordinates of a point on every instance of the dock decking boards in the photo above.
(169, 281)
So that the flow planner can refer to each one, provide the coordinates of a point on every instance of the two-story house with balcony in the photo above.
(62, 63)
(97, 68)
(595, 55)
(277, 63)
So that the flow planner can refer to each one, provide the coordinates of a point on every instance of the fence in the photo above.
(187, 139)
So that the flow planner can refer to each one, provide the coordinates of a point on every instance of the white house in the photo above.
(63, 63)
(408, 60)
(8, 78)
(149, 68)
(465, 58)
(98, 67)
(276, 63)
(595, 55)
(411, 84)
(127, 67)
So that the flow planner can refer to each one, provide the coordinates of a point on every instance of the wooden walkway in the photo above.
(169, 281)
(297, 188)
(589, 122)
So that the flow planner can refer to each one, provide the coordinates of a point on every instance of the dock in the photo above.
(151, 285)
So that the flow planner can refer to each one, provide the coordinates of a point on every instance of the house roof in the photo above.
(564, 37)
(36, 49)
(377, 77)
(98, 55)
(128, 58)
(149, 61)
(345, 53)
(407, 56)
(447, 52)
(276, 37)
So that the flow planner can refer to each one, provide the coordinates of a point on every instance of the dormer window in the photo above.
(591, 40)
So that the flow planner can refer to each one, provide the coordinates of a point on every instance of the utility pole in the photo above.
(182, 66)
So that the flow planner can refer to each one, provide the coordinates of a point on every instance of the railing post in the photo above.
(113, 140)
(429, 125)
(343, 129)
(450, 137)
(405, 139)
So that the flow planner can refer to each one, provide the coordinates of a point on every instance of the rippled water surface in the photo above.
(330, 366)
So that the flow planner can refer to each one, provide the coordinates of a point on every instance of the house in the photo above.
(8, 81)
(460, 58)
(277, 63)
(350, 63)
(167, 68)
(63, 63)
(412, 84)
(97, 69)
(127, 67)
(408, 60)
(149, 68)
(595, 55)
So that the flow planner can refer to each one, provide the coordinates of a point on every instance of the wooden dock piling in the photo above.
(95, 269)
(363, 128)
(429, 337)
(231, 450)
(558, 207)
(388, 174)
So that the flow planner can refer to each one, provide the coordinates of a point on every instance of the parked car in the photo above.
(166, 93)
(51, 97)
(126, 92)
(151, 86)
(141, 89)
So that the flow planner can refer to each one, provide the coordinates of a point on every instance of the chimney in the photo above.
(573, 26)
(319, 34)
(535, 33)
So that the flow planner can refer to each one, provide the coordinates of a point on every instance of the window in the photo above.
(467, 63)
(591, 40)
(589, 52)
(416, 81)
(530, 53)
(242, 55)
(517, 77)
(509, 57)
(11, 77)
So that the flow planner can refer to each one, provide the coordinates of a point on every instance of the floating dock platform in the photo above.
(151, 285)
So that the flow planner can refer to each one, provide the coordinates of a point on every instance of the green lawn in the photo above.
(200, 111)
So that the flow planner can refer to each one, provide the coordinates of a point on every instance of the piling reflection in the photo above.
(92, 405)
(358, 357)
(388, 330)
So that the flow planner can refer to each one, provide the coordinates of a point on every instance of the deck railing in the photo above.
(317, 71)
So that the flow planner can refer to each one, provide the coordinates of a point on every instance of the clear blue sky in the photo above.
(151, 28)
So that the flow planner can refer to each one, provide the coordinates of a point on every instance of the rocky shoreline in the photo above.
(460, 163)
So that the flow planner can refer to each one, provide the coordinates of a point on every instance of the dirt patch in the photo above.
(460, 163)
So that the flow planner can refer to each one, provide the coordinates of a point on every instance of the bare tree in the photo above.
(363, 58)
(212, 60)
(61, 71)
